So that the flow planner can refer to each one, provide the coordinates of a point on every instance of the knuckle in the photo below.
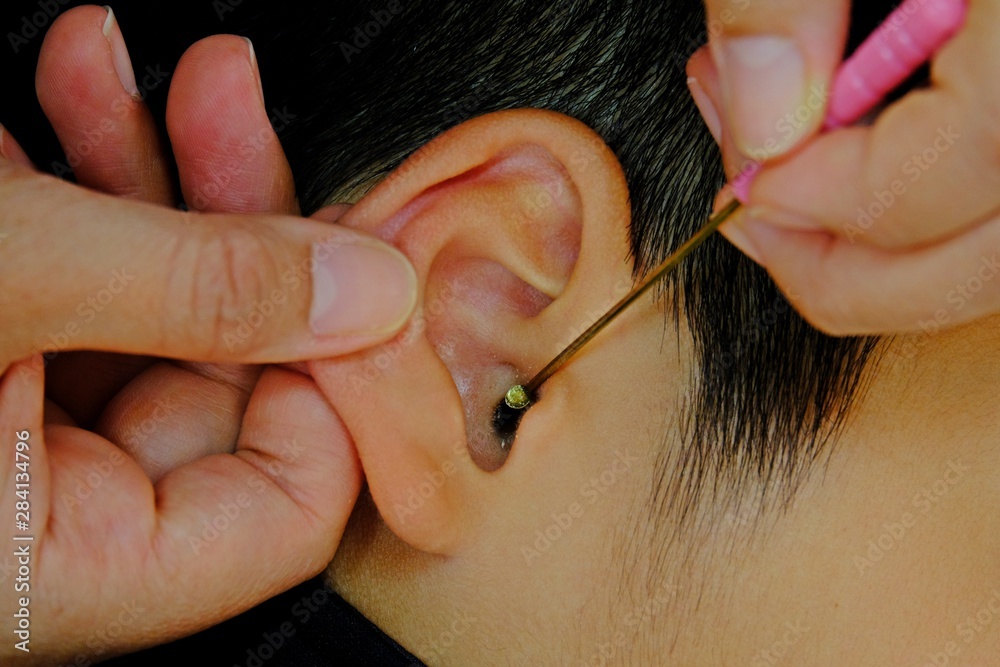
(826, 308)
(829, 314)
(219, 275)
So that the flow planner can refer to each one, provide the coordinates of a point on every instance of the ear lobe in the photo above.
(516, 223)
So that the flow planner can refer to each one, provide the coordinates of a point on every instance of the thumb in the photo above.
(775, 60)
(88, 271)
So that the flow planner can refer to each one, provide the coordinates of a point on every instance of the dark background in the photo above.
(156, 33)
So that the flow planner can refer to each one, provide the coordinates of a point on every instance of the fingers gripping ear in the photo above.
(509, 220)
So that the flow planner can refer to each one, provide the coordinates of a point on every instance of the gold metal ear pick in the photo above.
(520, 397)
(861, 83)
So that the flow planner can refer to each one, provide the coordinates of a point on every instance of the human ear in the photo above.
(517, 224)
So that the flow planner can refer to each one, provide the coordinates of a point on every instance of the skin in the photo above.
(451, 579)
(803, 223)
(464, 552)
(276, 461)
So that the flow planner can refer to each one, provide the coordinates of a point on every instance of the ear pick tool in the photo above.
(905, 41)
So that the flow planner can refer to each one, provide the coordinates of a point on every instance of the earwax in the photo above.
(517, 398)
(507, 416)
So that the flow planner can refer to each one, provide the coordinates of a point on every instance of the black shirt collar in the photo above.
(307, 626)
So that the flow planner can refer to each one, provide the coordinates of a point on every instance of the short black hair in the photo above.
(378, 79)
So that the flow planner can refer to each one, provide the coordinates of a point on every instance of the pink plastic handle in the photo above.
(911, 35)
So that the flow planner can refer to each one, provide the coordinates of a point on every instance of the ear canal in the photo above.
(492, 215)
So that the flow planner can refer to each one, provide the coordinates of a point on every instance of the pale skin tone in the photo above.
(448, 569)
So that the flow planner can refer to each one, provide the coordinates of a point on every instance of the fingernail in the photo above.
(360, 289)
(255, 70)
(763, 81)
(119, 54)
(707, 109)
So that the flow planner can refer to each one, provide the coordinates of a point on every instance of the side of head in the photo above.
(517, 224)
(525, 226)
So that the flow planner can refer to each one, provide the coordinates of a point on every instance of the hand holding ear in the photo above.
(229, 160)
(881, 229)
(118, 562)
